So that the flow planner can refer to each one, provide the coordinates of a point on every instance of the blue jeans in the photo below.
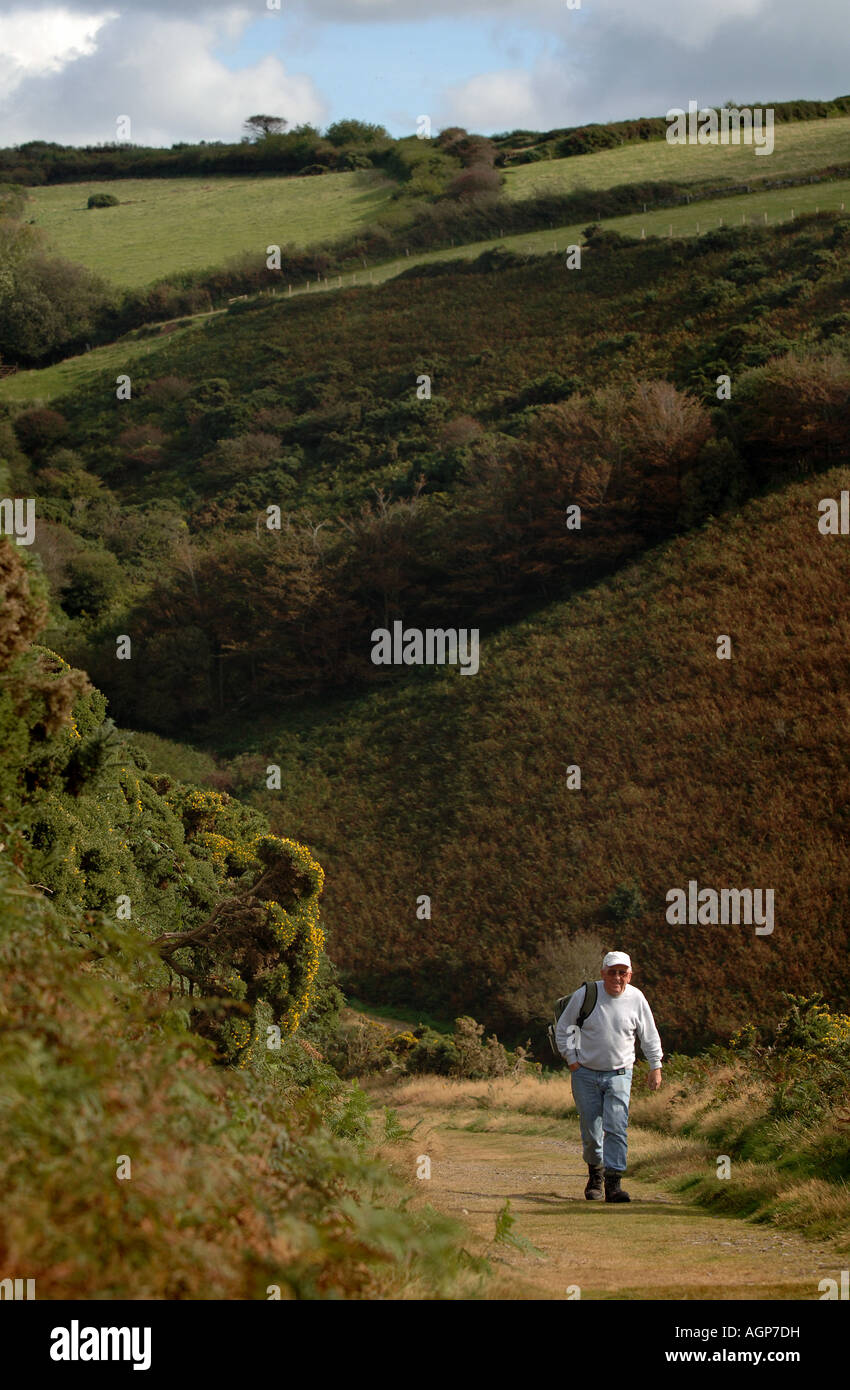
(602, 1101)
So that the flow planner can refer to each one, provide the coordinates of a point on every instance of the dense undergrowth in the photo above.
(167, 1127)
(155, 510)
(774, 1102)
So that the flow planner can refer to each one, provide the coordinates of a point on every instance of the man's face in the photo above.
(615, 978)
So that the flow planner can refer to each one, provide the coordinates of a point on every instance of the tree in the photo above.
(351, 132)
(261, 127)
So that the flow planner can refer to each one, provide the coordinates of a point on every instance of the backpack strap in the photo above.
(588, 1003)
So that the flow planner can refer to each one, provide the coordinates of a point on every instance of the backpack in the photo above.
(587, 1007)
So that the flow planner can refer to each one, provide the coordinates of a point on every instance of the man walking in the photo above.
(601, 1055)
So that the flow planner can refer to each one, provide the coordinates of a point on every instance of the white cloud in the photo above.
(68, 69)
(165, 76)
(688, 23)
(494, 101)
(43, 41)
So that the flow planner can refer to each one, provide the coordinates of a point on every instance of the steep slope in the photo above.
(729, 772)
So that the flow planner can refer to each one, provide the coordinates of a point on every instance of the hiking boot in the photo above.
(613, 1190)
(593, 1190)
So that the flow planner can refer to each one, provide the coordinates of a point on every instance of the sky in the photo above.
(195, 69)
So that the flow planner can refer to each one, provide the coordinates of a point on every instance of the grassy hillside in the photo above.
(201, 222)
(758, 209)
(154, 510)
(429, 197)
(733, 773)
(162, 226)
(547, 386)
(799, 147)
(491, 331)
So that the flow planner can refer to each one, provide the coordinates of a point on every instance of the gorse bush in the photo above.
(806, 1057)
(135, 1170)
(131, 1167)
(233, 910)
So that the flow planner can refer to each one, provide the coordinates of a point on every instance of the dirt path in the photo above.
(658, 1246)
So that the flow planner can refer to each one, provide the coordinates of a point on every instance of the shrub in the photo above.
(142, 446)
(361, 1047)
(476, 1058)
(475, 182)
(260, 946)
(434, 1054)
(92, 582)
(48, 306)
(102, 200)
(353, 132)
(559, 967)
(717, 479)
(794, 408)
(40, 429)
(586, 139)
(625, 904)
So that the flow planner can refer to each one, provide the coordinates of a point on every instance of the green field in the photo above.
(800, 147)
(46, 383)
(167, 225)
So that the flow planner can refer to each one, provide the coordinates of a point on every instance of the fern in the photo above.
(506, 1235)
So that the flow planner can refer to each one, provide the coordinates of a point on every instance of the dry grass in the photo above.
(676, 1136)
(488, 1141)
(677, 1107)
(525, 1095)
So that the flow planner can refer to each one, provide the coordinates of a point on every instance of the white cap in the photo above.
(616, 958)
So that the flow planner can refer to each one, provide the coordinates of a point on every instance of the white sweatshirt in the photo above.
(607, 1040)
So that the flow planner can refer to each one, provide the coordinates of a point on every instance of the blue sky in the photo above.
(400, 69)
(194, 69)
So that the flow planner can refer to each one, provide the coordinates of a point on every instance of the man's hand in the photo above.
(574, 1066)
(654, 1079)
